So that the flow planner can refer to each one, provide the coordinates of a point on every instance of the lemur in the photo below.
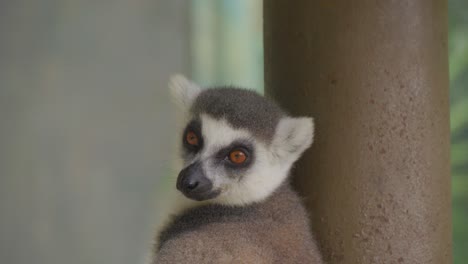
(238, 148)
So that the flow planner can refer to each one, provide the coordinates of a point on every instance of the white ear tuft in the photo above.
(183, 90)
(293, 136)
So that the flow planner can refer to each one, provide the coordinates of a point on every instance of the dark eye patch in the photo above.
(222, 156)
(195, 127)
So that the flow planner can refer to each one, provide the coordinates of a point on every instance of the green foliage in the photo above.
(458, 53)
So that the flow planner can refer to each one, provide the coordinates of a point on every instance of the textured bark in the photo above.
(374, 75)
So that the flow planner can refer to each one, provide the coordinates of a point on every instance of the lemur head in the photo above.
(237, 146)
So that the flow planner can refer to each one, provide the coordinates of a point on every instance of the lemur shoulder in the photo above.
(238, 148)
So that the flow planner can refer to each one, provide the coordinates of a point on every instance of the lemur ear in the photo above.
(183, 91)
(293, 136)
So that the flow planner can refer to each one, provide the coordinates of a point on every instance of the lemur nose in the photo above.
(194, 184)
(193, 180)
(191, 185)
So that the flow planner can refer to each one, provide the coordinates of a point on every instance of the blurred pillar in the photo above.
(374, 75)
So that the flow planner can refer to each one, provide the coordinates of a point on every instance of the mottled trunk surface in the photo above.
(374, 76)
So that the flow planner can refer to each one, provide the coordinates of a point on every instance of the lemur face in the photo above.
(237, 146)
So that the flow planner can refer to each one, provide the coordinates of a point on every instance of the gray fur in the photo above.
(241, 108)
(274, 231)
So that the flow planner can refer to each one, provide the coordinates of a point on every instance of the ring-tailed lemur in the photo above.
(238, 149)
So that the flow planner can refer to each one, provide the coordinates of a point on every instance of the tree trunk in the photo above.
(374, 75)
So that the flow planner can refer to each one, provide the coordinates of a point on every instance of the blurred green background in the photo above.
(87, 129)
(458, 58)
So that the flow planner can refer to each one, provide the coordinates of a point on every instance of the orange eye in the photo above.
(191, 138)
(237, 157)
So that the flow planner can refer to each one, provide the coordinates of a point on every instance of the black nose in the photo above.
(193, 183)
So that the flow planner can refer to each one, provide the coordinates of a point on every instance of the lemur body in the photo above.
(238, 148)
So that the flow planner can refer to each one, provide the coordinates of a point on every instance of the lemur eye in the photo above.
(191, 138)
(237, 156)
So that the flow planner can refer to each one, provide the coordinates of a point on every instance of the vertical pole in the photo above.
(374, 75)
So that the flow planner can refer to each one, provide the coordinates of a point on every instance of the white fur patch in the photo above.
(183, 91)
(293, 136)
(219, 133)
(258, 182)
